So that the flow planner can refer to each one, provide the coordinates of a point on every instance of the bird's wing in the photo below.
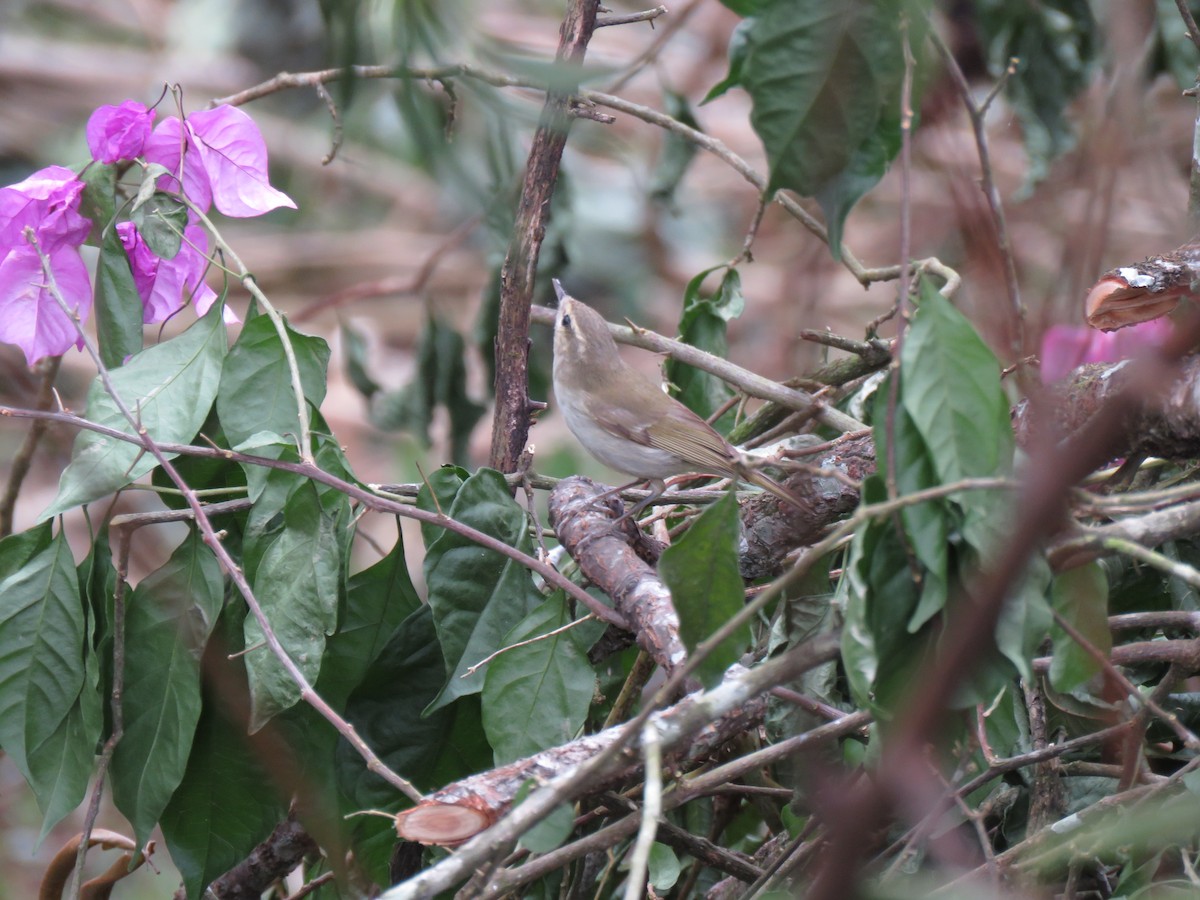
(689, 437)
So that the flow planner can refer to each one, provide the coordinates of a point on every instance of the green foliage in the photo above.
(160, 220)
(1080, 596)
(168, 387)
(825, 81)
(118, 305)
(440, 380)
(950, 424)
(677, 153)
(1055, 44)
(256, 385)
(49, 719)
(477, 595)
(701, 571)
(537, 695)
(703, 325)
(168, 621)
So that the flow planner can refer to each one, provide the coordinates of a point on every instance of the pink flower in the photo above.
(48, 202)
(1066, 347)
(119, 132)
(221, 157)
(165, 284)
(30, 317)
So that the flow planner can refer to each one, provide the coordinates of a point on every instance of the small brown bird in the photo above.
(625, 420)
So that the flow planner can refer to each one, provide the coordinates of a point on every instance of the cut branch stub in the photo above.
(1128, 295)
(444, 824)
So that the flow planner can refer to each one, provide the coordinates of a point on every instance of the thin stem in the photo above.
(47, 369)
(304, 436)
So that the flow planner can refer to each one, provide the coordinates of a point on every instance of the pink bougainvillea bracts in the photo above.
(119, 132)
(46, 203)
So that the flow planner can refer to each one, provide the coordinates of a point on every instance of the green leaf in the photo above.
(437, 495)
(440, 380)
(1056, 43)
(701, 571)
(256, 385)
(169, 388)
(664, 867)
(1080, 596)
(296, 583)
(677, 152)
(819, 75)
(429, 749)
(378, 599)
(879, 653)
(703, 325)
(46, 727)
(747, 7)
(552, 831)
(537, 696)
(950, 387)
(99, 201)
(168, 621)
(868, 163)
(927, 525)
(478, 595)
(739, 44)
(355, 346)
(119, 310)
(160, 221)
(225, 805)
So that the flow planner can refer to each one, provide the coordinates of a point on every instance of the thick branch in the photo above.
(510, 424)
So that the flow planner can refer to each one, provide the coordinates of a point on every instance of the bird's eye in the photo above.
(566, 320)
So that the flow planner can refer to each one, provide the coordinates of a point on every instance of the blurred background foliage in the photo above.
(394, 255)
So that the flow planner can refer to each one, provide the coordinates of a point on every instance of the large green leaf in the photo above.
(119, 310)
(701, 571)
(1080, 596)
(46, 726)
(391, 721)
(429, 750)
(168, 387)
(225, 805)
(537, 696)
(478, 595)
(950, 388)
(819, 75)
(256, 385)
(168, 620)
(296, 583)
(703, 324)
(378, 599)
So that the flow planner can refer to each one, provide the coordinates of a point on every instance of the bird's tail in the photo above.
(755, 477)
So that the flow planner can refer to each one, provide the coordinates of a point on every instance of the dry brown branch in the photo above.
(513, 409)
(586, 531)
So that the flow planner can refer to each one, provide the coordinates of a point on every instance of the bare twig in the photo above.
(47, 370)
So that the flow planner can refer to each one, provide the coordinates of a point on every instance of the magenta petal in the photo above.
(1064, 347)
(30, 317)
(48, 202)
(235, 158)
(170, 143)
(119, 132)
(144, 265)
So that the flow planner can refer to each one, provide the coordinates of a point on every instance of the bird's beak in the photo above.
(558, 289)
